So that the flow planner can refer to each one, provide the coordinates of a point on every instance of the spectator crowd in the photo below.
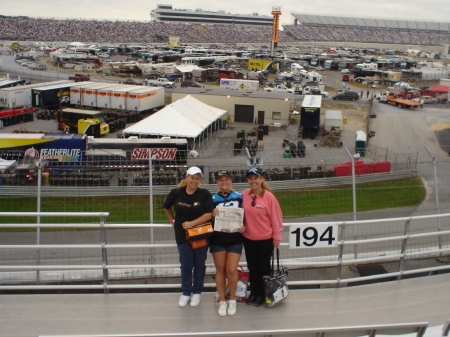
(35, 29)
(31, 29)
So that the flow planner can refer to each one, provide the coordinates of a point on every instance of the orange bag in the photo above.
(199, 232)
(198, 243)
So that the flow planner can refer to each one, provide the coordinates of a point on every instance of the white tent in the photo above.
(185, 118)
(5, 164)
(187, 68)
(401, 85)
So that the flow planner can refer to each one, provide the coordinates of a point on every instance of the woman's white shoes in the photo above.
(227, 308)
(195, 300)
(183, 301)
(222, 308)
(231, 307)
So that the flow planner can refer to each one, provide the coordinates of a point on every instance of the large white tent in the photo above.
(5, 164)
(185, 118)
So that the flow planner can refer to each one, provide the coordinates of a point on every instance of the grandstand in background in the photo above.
(165, 13)
(330, 28)
(219, 27)
(310, 19)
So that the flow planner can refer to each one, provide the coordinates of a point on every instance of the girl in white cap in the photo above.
(193, 206)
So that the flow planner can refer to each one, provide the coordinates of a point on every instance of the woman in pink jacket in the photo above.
(263, 222)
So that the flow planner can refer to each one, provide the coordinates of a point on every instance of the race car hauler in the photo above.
(85, 93)
(244, 85)
(21, 95)
(310, 116)
(57, 150)
(118, 96)
(83, 121)
(137, 98)
(52, 96)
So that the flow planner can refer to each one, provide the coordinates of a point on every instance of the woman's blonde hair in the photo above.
(264, 184)
(182, 183)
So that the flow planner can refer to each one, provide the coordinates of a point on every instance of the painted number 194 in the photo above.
(313, 236)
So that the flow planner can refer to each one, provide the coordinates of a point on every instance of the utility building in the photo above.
(266, 108)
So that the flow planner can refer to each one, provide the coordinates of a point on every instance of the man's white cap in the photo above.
(194, 170)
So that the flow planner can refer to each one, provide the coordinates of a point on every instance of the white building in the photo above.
(165, 13)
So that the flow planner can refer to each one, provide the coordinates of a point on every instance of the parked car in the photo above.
(40, 67)
(315, 91)
(194, 84)
(20, 59)
(350, 95)
(133, 82)
(426, 99)
(161, 82)
(79, 78)
(442, 99)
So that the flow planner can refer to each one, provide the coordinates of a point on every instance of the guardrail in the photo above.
(164, 189)
(415, 329)
(362, 242)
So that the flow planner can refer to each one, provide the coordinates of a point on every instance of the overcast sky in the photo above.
(427, 10)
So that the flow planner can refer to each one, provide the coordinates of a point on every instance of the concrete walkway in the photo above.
(425, 299)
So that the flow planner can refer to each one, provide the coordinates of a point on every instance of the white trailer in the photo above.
(312, 76)
(84, 93)
(333, 121)
(119, 96)
(145, 99)
(367, 66)
(20, 96)
(244, 85)
(137, 98)
(99, 97)
(76, 91)
(445, 81)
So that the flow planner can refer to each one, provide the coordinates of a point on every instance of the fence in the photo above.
(103, 256)
(413, 329)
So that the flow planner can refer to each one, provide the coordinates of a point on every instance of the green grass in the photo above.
(339, 199)
(295, 203)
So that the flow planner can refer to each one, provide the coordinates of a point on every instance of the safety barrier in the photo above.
(58, 265)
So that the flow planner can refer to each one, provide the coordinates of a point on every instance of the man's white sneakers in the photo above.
(195, 300)
(183, 301)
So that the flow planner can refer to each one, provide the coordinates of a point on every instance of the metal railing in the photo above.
(361, 242)
(415, 328)
(52, 191)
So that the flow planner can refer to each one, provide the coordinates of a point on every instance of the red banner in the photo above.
(157, 153)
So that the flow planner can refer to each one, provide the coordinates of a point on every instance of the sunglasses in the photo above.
(253, 201)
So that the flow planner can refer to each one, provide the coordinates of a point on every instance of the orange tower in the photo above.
(276, 12)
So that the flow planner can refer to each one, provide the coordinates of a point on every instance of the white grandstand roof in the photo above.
(166, 13)
(319, 19)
